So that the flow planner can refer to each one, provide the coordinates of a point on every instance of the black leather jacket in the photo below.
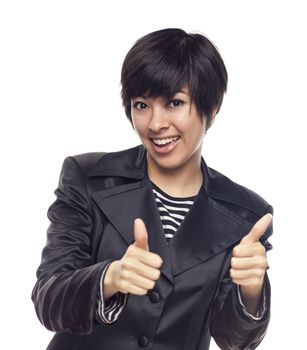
(98, 197)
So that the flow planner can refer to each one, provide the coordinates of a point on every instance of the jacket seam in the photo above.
(85, 185)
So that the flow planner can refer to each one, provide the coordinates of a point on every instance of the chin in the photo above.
(169, 164)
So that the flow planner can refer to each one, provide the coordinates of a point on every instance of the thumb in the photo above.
(258, 229)
(140, 234)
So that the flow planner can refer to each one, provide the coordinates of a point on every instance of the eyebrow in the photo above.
(142, 96)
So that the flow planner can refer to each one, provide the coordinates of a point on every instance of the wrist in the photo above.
(251, 296)
(109, 288)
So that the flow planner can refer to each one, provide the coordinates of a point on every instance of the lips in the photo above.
(165, 145)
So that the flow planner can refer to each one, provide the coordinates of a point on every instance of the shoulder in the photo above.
(87, 160)
(82, 162)
(226, 189)
(129, 162)
(232, 197)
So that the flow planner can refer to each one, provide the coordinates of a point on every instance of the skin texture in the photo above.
(157, 118)
(138, 270)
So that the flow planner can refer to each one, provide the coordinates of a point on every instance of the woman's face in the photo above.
(171, 131)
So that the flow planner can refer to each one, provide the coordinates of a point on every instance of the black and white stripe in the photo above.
(172, 210)
(108, 311)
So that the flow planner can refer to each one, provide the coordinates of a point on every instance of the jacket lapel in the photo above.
(205, 232)
(123, 204)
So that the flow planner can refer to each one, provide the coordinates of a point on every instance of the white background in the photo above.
(60, 67)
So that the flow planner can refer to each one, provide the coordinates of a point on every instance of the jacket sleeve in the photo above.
(65, 294)
(230, 325)
(261, 309)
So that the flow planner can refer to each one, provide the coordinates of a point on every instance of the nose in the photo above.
(159, 119)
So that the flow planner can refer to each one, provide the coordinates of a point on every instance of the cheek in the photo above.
(195, 130)
(139, 125)
(196, 136)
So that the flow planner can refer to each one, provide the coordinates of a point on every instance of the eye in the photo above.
(139, 105)
(176, 103)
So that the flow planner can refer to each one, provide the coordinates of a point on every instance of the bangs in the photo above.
(164, 78)
(155, 67)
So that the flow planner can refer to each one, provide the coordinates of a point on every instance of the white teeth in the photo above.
(165, 141)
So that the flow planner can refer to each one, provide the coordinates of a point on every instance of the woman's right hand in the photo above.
(137, 271)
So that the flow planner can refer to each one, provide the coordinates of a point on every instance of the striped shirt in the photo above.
(172, 212)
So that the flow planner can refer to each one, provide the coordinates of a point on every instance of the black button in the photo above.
(143, 341)
(154, 297)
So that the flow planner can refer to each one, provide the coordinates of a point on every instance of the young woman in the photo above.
(149, 247)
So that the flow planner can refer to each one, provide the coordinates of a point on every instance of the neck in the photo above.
(184, 181)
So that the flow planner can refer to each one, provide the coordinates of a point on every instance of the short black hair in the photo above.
(162, 62)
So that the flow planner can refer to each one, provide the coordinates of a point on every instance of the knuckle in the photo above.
(158, 260)
(126, 264)
(158, 273)
(234, 262)
(239, 250)
(261, 262)
(131, 249)
(261, 249)
(125, 274)
(264, 264)
(137, 291)
(257, 273)
(124, 286)
(144, 291)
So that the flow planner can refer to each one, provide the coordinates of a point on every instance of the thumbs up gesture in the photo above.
(249, 262)
(137, 271)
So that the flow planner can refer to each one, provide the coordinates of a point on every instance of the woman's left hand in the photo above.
(249, 263)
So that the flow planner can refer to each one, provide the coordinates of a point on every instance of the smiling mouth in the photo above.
(166, 141)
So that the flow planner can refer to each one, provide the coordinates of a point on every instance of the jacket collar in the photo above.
(131, 163)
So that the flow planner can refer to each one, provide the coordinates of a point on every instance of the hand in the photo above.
(249, 263)
(137, 271)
